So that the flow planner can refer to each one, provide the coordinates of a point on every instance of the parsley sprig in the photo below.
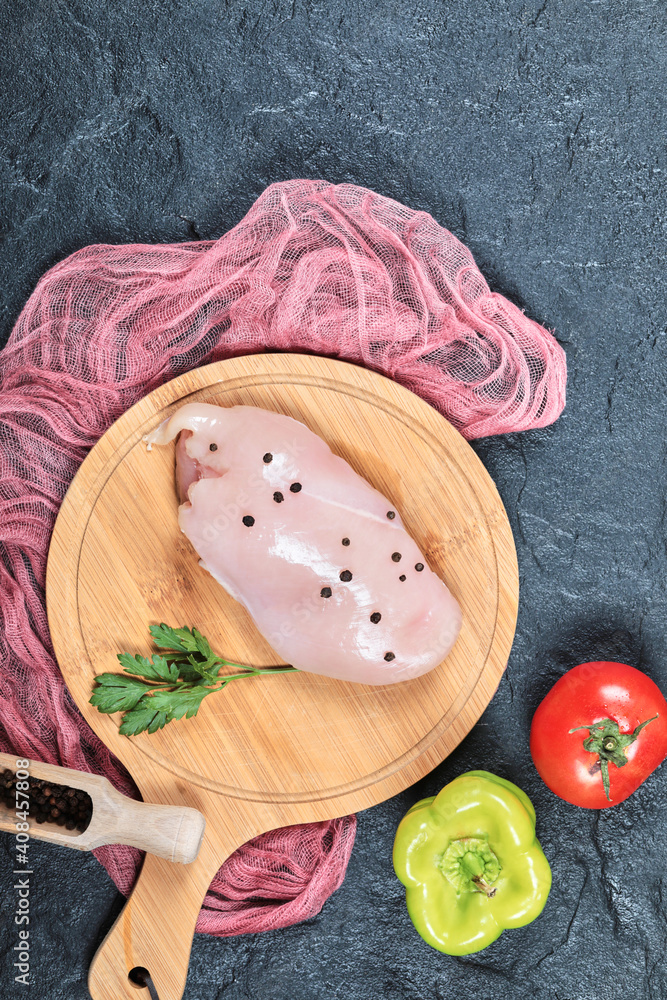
(169, 685)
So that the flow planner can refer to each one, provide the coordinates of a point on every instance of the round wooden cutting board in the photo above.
(291, 748)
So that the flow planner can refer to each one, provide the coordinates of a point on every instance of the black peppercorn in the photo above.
(346, 541)
(267, 458)
(278, 497)
(248, 520)
(325, 592)
(419, 567)
(213, 447)
(346, 576)
(396, 556)
(389, 657)
(295, 488)
(391, 514)
(375, 617)
(402, 578)
(49, 803)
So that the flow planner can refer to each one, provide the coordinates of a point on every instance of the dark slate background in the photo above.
(535, 131)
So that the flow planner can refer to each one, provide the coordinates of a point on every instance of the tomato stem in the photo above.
(610, 744)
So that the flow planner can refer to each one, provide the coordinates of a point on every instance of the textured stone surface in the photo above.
(535, 131)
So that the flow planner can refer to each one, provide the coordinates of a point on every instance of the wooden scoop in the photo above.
(171, 832)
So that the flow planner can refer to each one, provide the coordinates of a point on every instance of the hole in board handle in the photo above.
(141, 979)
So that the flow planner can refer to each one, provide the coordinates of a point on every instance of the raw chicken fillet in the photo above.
(318, 557)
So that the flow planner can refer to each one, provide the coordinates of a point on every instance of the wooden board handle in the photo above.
(171, 832)
(155, 929)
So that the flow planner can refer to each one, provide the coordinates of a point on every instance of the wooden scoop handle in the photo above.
(155, 929)
(171, 832)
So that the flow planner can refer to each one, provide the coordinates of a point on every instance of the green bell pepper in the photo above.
(471, 863)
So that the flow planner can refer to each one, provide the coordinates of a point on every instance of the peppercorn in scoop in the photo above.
(50, 803)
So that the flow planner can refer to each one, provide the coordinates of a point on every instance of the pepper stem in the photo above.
(610, 744)
(488, 890)
(470, 865)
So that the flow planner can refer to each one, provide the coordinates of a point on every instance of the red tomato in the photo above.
(608, 705)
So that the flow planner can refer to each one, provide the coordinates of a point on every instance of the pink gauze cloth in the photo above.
(334, 270)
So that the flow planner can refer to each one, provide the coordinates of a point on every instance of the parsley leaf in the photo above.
(142, 720)
(168, 685)
(115, 693)
(180, 639)
(155, 669)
